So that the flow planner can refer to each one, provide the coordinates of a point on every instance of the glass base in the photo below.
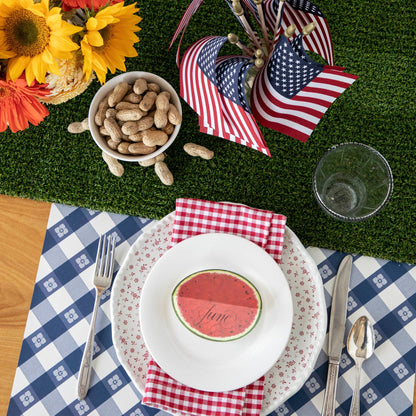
(343, 196)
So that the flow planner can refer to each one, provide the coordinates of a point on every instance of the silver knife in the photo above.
(336, 332)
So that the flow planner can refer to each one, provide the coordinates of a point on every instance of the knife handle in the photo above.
(331, 389)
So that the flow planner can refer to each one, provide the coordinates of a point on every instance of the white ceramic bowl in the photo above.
(130, 77)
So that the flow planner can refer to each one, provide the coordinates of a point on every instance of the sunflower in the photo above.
(109, 38)
(32, 36)
(19, 104)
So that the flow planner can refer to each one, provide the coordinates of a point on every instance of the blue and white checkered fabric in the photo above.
(63, 298)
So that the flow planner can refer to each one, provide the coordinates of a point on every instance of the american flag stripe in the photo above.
(210, 104)
(286, 123)
(245, 128)
(270, 13)
(223, 134)
(232, 132)
(297, 116)
(235, 119)
(319, 41)
(197, 90)
(254, 140)
(178, 50)
(188, 81)
(232, 138)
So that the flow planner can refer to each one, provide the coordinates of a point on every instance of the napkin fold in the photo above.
(194, 217)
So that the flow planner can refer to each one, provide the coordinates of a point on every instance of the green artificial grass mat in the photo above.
(374, 40)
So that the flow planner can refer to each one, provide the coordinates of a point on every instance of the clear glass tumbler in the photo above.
(352, 182)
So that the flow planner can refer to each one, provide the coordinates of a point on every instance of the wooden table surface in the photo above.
(22, 230)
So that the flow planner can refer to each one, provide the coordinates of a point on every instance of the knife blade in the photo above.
(336, 332)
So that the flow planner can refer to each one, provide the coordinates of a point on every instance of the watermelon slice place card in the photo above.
(218, 305)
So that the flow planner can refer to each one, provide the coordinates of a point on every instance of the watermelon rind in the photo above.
(205, 336)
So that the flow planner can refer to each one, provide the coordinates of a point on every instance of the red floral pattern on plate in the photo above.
(309, 321)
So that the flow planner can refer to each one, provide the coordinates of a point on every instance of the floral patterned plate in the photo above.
(309, 313)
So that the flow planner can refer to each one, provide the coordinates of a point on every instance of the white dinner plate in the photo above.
(202, 363)
(294, 366)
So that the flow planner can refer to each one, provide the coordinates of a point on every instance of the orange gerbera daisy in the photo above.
(19, 105)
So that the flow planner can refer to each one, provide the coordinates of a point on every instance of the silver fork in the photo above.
(103, 273)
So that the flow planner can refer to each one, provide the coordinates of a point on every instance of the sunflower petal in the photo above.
(87, 54)
(61, 46)
(94, 38)
(16, 66)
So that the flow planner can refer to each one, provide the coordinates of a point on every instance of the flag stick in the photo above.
(263, 26)
(239, 11)
(234, 40)
(279, 15)
(308, 29)
(290, 30)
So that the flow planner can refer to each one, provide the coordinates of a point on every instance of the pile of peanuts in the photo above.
(137, 118)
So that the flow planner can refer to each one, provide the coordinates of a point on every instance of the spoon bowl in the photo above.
(360, 346)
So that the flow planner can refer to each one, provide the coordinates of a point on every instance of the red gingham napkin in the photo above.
(193, 217)
(165, 393)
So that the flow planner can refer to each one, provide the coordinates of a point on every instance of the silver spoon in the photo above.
(360, 346)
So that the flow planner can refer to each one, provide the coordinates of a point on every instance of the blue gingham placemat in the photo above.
(58, 322)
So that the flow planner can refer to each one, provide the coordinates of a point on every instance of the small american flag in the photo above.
(291, 95)
(214, 89)
(198, 83)
(239, 123)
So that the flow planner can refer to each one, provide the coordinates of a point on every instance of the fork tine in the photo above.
(113, 249)
(107, 258)
(103, 256)
(99, 257)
